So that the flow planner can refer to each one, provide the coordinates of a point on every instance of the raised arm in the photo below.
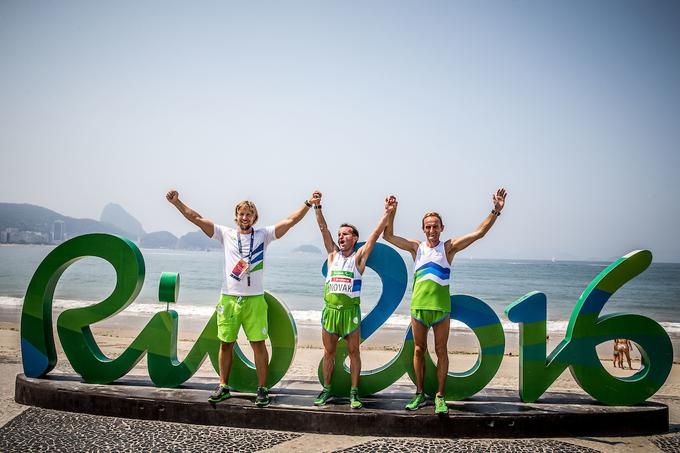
(455, 245)
(289, 222)
(321, 221)
(409, 245)
(206, 225)
(365, 251)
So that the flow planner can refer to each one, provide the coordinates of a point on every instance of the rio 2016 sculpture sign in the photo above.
(538, 369)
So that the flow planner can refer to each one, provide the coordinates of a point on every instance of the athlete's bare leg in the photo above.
(353, 341)
(330, 343)
(224, 359)
(261, 361)
(441, 339)
(420, 348)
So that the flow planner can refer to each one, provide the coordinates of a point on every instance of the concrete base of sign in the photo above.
(491, 413)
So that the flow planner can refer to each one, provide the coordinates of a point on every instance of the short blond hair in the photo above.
(246, 204)
(432, 214)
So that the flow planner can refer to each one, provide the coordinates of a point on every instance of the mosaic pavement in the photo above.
(669, 443)
(387, 445)
(48, 430)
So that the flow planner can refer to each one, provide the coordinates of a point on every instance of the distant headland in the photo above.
(22, 223)
(307, 248)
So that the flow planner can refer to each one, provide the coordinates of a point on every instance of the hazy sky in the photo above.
(574, 106)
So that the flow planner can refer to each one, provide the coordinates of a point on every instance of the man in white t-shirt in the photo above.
(242, 301)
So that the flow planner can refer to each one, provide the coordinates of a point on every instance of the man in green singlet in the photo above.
(341, 315)
(431, 300)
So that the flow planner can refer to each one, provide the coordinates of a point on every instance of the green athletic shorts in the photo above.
(234, 311)
(429, 318)
(340, 321)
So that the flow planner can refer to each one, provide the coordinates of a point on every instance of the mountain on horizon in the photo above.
(307, 248)
(158, 240)
(28, 217)
(115, 215)
(115, 220)
(197, 240)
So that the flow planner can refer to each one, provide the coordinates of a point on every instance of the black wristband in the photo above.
(309, 205)
(496, 213)
(317, 206)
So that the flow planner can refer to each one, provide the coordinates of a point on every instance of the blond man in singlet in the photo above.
(431, 300)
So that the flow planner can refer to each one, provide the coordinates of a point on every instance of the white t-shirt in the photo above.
(229, 237)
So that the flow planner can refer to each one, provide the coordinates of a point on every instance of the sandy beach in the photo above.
(114, 335)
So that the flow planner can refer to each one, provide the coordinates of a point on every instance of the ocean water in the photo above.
(297, 280)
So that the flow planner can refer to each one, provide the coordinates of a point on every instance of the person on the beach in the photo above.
(431, 300)
(623, 347)
(242, 301)
(617, 356)
(341, 314)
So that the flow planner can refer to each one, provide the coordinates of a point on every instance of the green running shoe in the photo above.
(354, 401)
(416, 402)
(440, 407)
(221, 393)
(262, 398)
(323, 397)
